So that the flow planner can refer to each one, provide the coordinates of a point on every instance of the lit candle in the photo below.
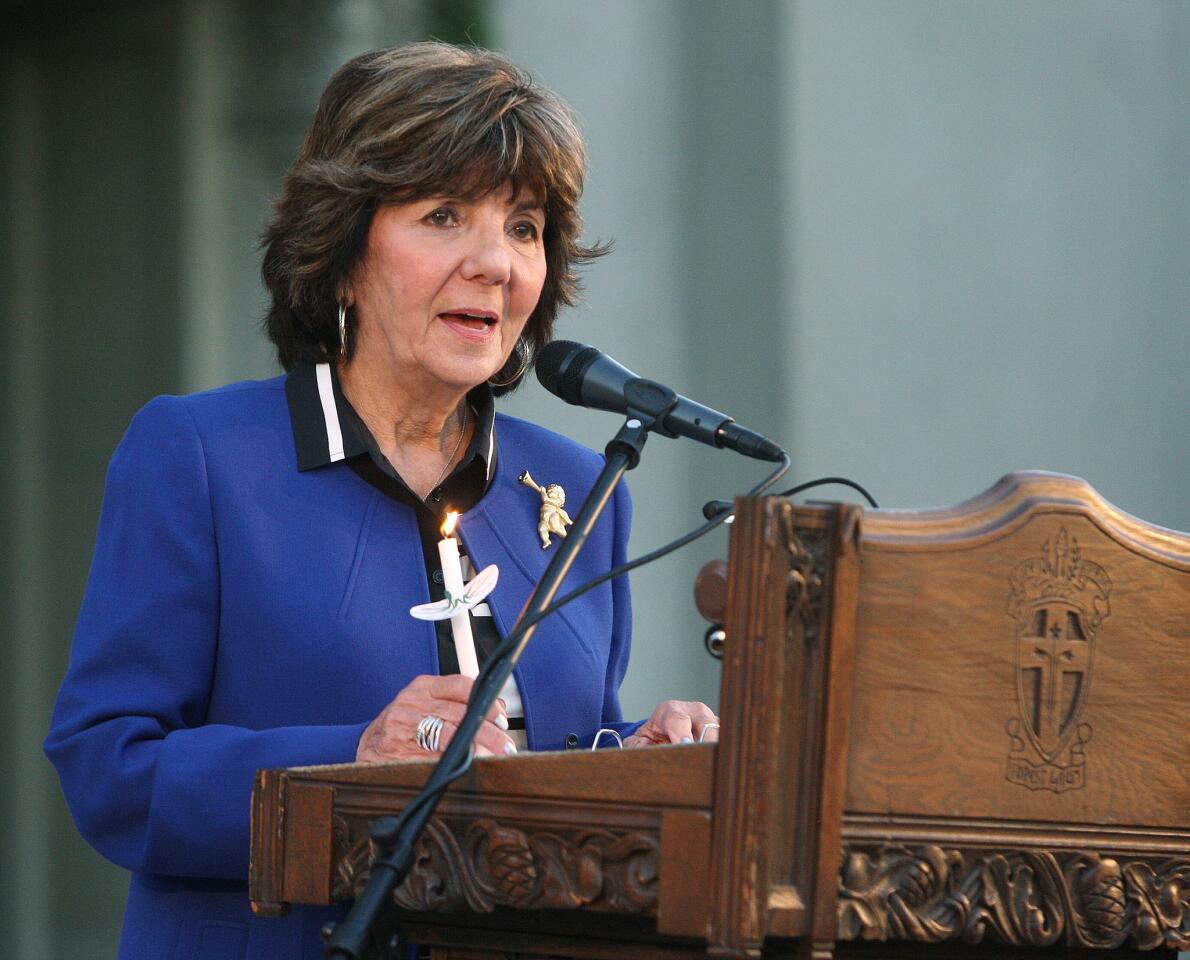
(452, 580)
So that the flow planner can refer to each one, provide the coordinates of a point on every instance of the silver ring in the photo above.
(429, 732)
(705, 727)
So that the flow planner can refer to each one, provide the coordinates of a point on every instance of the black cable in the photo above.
(823, 481)
(395, 852)
(713, 508)
(428, 796)
(630, 565)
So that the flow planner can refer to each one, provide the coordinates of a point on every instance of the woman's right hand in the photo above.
(392, 735)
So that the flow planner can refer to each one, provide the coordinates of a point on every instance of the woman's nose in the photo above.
(488, 258)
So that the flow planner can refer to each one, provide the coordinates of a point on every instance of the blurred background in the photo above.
(921, 244)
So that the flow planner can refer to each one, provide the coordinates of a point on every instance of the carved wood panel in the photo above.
(1040, 654)
(1029, 898)
(479, 864)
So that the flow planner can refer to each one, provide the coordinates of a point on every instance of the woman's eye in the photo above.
(525, 231)
(442, 217)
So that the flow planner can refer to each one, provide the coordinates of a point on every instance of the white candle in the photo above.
(452, 580)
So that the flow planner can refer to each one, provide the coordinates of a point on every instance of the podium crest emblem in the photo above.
(1058, 602)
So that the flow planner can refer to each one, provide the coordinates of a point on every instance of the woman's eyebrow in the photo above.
(529, 204)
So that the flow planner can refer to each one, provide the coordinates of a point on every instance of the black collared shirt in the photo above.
(326, 429)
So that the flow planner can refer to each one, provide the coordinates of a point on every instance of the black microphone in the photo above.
(583, 376)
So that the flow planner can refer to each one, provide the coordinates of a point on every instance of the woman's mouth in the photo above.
(471, 324)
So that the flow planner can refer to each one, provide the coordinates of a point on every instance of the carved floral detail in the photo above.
(482, 864)
(1061, 572)
(807, 573)
(1025, 898)
(354, 853)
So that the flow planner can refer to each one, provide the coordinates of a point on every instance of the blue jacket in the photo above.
(241, 614)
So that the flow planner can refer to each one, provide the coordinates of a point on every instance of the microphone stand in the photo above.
(394, 837)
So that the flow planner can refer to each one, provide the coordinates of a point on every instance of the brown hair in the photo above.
(414, 121)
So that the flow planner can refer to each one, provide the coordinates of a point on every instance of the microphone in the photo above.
(583, 376)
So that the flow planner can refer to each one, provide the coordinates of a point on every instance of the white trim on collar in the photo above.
(330, 413)
(491, 453)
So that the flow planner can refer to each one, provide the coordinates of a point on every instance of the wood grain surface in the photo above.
(937, 665)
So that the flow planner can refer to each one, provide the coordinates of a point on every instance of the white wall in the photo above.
(921, 243)
(989, 216)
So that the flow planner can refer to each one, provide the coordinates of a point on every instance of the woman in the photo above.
(261, 545)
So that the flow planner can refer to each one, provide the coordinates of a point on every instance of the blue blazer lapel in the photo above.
(502, 530)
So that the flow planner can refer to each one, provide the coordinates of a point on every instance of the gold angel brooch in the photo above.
(553, 518)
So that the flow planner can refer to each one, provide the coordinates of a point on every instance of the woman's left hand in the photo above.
(676, 721)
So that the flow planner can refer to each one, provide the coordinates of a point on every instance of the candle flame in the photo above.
(448, 527)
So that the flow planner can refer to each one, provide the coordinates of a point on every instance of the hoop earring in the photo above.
(342, 331)
(520, 370)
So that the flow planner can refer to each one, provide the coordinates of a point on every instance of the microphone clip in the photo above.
(648, 404)
(629, 441)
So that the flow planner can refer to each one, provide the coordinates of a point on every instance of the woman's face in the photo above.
(446, 286)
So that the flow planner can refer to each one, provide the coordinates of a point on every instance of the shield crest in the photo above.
(1053, 673)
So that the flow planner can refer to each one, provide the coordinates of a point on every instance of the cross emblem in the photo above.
(1054, 657)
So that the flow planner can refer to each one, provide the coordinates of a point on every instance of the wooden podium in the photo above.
(947, 732)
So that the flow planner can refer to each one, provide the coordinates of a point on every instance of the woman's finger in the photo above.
(706, 723)
(489, 740)
(490, 735)
(392, 735)
(457, 689)
(676, 725)
(452, 686)
(454, 711)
